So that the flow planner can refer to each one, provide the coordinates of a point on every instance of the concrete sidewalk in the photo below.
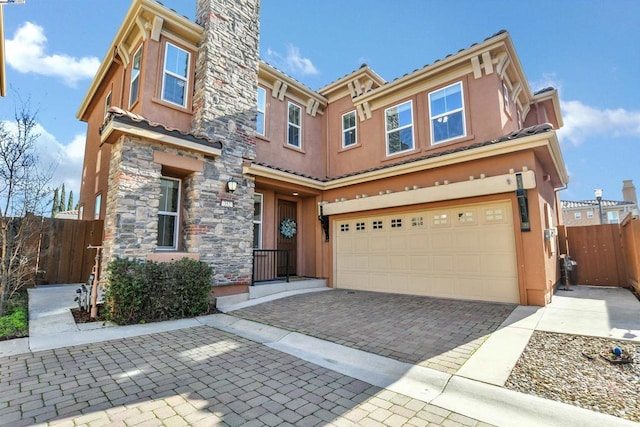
(474, 391)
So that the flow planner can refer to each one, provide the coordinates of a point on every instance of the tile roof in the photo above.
(567, 204)
(521, 133)
(127, 117)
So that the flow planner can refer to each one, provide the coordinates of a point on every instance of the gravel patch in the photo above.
(570, 369)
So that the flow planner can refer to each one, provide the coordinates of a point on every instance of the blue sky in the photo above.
(587, 49)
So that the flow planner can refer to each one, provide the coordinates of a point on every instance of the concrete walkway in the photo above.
(474, 394)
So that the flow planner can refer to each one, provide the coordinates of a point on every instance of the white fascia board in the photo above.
(458, 190)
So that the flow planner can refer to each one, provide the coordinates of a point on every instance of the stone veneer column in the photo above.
(225, 99)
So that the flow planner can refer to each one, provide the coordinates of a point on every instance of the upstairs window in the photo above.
(168, 213)
(294, 125)
(175, 82)
(447, 113)
(505, 96)
(262, 107)
(97, 206)
(135, 77)
(349, 136)
(399, 127)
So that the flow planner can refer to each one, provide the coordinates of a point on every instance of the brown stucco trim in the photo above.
(537, 137)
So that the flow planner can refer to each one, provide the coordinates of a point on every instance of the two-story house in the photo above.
(601, 211)
(442, 182)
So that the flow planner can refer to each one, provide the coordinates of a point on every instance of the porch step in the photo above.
(266, 289)
(263, 290)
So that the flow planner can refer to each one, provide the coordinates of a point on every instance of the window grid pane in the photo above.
(262, 106)
(399, 126)
(447, 113)
(176, 66)
(349, 129)
(294, 125)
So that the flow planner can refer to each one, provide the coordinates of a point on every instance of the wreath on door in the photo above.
(288, 228)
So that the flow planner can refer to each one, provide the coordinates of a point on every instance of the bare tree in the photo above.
(23, 195)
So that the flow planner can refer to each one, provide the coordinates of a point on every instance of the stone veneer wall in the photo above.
(224, 108)
(225, 99)
(131, 225)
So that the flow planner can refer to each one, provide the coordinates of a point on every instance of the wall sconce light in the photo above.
(231, 186)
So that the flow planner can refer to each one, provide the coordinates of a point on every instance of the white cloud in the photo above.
(582, 121)
(63, 160)
(293, 62)
(547, 80)
(26, 53)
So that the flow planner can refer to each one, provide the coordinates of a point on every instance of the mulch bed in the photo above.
(81, 316)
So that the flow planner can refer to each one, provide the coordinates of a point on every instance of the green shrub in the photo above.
(147, 291)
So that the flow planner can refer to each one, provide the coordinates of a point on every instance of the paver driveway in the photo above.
(436, 333)
(194, 376)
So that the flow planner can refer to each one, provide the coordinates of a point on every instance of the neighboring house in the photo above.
(587, 212)
(442, 182)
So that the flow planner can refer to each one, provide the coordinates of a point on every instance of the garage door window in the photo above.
(494, 215)
(344, 227)
(417, 221)
(360, 226)
(440, 219)
(377, 225)
(396, 223)
(466, 217)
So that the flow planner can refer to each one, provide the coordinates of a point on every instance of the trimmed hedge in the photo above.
(148, 291)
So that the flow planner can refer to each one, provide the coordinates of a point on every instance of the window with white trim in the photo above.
(577, 215)
(262, 108)
(168, 213)
(505, 96)
(399, 128)
(589, 214)
(613, 218)
(175, 75)
(294, 125)
(97, 206)
(349, 135)
(257, 221)
(135, 77)
(446, 109)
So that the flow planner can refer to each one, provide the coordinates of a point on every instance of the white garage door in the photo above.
(459, 252)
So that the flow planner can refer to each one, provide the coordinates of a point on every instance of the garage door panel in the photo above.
(378, 243)
(467, 239)
(361, 244)
(378, 262)
(418, 262)
(442, 263)
(397, 263)
(463, 252)
(468, 263)
(441, 240)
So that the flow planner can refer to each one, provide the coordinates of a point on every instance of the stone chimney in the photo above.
(629, 191)
(224, 108)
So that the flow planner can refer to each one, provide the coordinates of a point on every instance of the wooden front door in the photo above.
(287, 215)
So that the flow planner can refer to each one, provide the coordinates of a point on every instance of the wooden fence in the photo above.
(64, 257)
(630, 231)
(598, 250)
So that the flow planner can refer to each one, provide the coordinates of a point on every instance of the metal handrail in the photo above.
(270, 264)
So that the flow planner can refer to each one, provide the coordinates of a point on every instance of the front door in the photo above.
(287, 236)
